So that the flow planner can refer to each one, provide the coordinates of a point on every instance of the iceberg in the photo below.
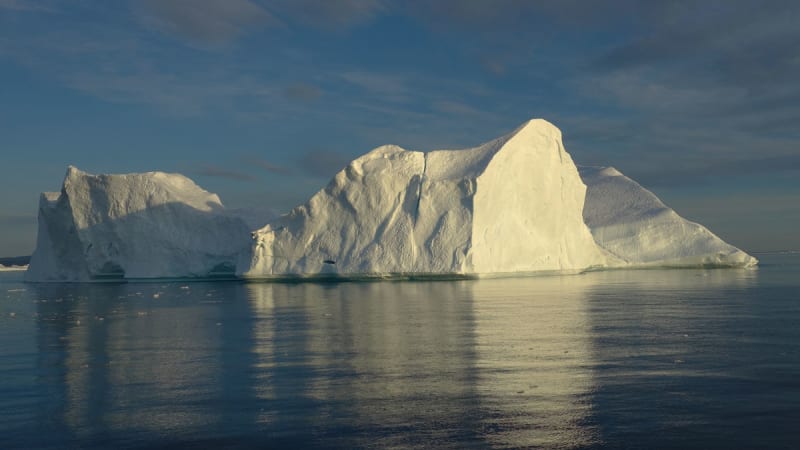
(514, 205)
(632, 224)
(511, 205)
(147, 225)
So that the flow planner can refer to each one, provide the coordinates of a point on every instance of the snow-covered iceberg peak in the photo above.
(143, 225)
(634, 225)
(511, 205)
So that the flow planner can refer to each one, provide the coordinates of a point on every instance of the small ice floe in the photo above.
(16, 290)
(157, 294)
(12, 314)
(184, 287)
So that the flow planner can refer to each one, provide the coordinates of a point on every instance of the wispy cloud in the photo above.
(454, 107)
(222, 172)
(329, 14)
(265, 165)
(28, 5)
(322, 163)
(383, 86)
(706, 171)
(204, 22)
(302, 92)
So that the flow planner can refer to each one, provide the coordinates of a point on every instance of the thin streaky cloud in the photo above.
(329, 14)
(266, 165)
(302, 92)
(204, 22)
(28, 5)
(222, 172)
(322, 163)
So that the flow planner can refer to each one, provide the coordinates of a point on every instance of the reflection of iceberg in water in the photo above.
(534, 361)
(678, 360)
(132, 364)
(494, 362)
(503, 362)
(540, 340)
(383, 357)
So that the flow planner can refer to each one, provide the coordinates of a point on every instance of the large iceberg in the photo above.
(635, 226)
(145, 225)
(511, 205)
(517, 204)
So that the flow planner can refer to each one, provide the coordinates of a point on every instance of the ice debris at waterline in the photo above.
(512, 205)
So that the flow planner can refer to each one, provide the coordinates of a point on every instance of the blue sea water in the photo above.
(618, 359)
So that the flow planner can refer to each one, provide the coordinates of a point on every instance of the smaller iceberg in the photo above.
(144, 225)
(632, 224)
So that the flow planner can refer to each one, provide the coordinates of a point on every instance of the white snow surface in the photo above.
(145, 225)
(511, 205)
(631, 223)
(4, 268)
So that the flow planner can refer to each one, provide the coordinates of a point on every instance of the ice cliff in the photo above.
(634, 225)
(143, 225)
(511, 205)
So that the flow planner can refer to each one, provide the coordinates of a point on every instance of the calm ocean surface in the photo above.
(623, 359)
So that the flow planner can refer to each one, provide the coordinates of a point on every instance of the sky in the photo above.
(264, 101)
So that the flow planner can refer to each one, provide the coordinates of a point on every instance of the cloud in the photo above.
(743, 45)
(302, 92)
(329, 14)
(322, 163)
(386, 86)
(266, 165)
(513, 17)
(695, 89)
(28, 5)
(221, 172)
(647, 89)
(454, 107)
(204, 22)
(705, 172)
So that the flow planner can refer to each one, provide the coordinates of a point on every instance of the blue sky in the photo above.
(263, 101)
